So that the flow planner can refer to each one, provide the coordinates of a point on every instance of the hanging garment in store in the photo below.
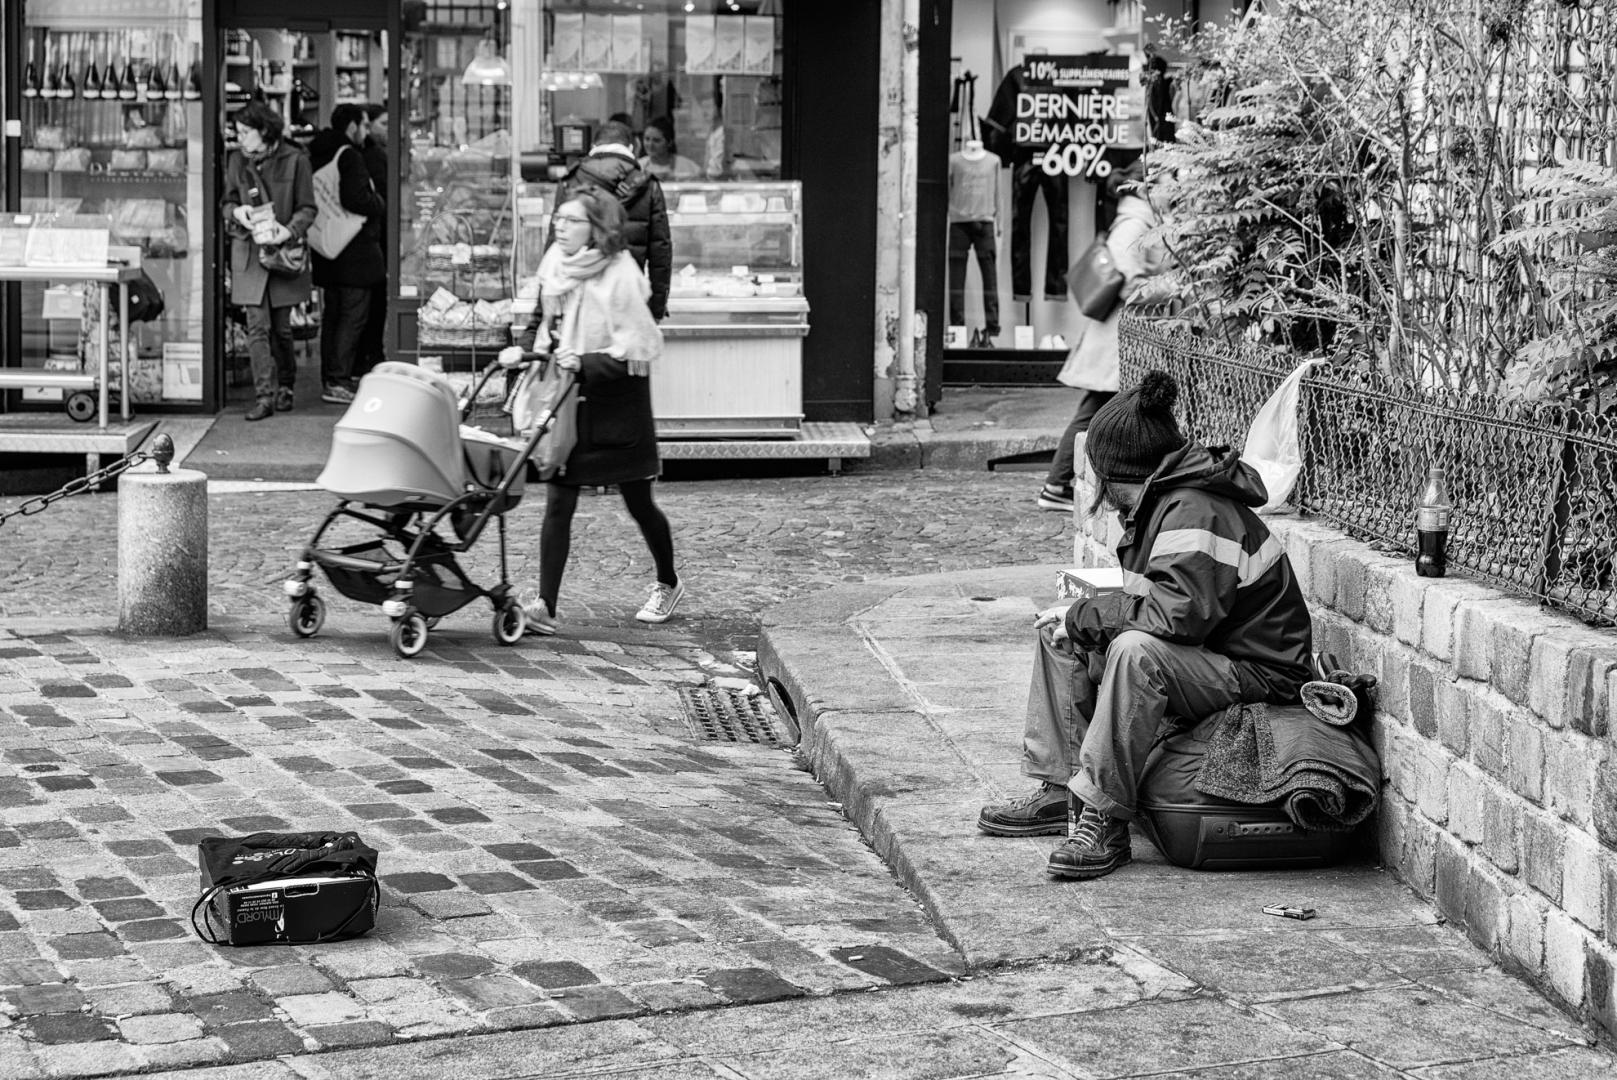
(1028, 182)
(963, 111)
(974, 179)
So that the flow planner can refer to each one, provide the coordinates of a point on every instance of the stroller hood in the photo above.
(399, 442)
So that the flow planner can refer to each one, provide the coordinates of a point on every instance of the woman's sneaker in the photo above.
(1052, 497)
(336, 393)
(661, 603)
(540, 620)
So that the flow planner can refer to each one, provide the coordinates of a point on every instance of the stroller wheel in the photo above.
(409, 634)
(307, 615)
(509, 623)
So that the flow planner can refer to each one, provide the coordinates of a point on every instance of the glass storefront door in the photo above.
(302, 64)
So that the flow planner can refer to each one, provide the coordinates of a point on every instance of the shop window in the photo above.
(111, 99)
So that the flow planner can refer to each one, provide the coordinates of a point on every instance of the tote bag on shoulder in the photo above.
(334, 228)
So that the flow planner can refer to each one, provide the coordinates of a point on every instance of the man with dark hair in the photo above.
(348, 277)
(1210, 615)
(374, 149)
(612, 167)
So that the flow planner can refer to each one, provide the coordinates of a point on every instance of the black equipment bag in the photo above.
(285, 888)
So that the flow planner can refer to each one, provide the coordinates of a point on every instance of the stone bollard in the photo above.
(163, 553)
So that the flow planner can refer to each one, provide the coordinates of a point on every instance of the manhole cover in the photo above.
(722, 715)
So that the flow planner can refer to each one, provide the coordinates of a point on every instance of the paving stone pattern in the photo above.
(556, 847)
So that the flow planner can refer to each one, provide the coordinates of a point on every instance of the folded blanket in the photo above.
(1326, 777)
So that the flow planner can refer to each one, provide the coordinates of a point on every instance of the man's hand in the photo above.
(567, 360)
(509, 357)
(1055, 619)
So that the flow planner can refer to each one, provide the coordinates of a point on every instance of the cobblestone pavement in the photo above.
(556, 845)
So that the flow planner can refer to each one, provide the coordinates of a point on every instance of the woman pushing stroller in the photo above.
(594, 311)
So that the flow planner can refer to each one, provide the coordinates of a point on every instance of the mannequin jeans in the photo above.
(968, 237)
(1028, 180)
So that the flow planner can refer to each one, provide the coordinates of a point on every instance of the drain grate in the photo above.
(717, 714)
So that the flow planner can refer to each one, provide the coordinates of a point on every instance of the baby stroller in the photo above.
(402, 463)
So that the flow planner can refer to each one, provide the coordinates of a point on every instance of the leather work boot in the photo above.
(1098, 845)
(1043, 813)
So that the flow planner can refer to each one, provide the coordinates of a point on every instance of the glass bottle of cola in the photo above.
(1432, 525)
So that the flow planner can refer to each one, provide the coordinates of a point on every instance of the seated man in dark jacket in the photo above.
(613, 168)
(1210, 615)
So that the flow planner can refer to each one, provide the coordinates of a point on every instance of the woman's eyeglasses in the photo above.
(567, 219)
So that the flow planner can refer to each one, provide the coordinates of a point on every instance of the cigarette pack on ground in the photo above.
(1088, 582)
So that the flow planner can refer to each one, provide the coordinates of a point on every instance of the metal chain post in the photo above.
(162, 452)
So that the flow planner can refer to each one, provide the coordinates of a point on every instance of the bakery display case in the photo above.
(733, 341)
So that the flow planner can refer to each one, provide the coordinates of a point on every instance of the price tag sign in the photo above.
(1081, 113)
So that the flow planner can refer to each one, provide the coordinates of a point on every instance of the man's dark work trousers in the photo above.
(346, 309)
(967, 237)
(1028, 179)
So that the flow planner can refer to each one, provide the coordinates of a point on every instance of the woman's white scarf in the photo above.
(601, 304)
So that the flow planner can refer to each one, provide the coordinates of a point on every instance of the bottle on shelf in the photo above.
(30, 75)
(1432, 515)
(129, 84)
(172, 86)
(193, 82)
(67, 86)
(111, 85)
(90, 84)
(156, 90)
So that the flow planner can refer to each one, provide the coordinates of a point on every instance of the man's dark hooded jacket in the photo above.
(646, 231)
(360, 264)
(1201, 568)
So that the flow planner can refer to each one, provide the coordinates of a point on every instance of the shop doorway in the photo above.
(302, 60)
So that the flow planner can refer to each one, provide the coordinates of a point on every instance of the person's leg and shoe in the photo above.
(985, 245)
(372, 348)
(1059, 705)
(1148, 685)
(261, 359)
(668, 589)
(555, 544)
(286, 357)
(1057, 491)
(346, 310)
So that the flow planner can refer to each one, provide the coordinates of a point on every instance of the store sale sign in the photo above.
(1081, 112)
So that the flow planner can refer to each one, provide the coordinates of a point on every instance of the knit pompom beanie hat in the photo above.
(1133, 432)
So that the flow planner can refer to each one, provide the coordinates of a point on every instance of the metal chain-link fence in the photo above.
(1534, 488)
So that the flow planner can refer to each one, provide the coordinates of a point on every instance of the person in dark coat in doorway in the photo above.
(268, 199)
(348, 279)
(372, 341)
(613, 168)
(597, 323)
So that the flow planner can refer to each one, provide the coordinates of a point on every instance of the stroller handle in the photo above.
(488, 373)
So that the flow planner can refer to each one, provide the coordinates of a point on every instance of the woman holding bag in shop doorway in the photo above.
(596, 317)
(1092, 365)
(268, 201)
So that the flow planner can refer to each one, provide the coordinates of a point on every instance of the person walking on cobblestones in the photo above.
(595, 297)
(1210, 615)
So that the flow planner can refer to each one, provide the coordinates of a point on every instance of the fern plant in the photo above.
(1568, 225)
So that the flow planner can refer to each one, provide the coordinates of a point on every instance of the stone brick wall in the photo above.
(1500, 801)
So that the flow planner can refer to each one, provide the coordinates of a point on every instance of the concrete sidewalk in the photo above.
(910, 694)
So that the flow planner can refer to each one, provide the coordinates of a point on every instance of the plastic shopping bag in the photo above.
(1272, 445)
(541, 399)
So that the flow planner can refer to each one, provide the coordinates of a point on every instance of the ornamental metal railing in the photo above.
(1534, 487)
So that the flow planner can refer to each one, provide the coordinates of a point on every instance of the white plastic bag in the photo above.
(1272, 446)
